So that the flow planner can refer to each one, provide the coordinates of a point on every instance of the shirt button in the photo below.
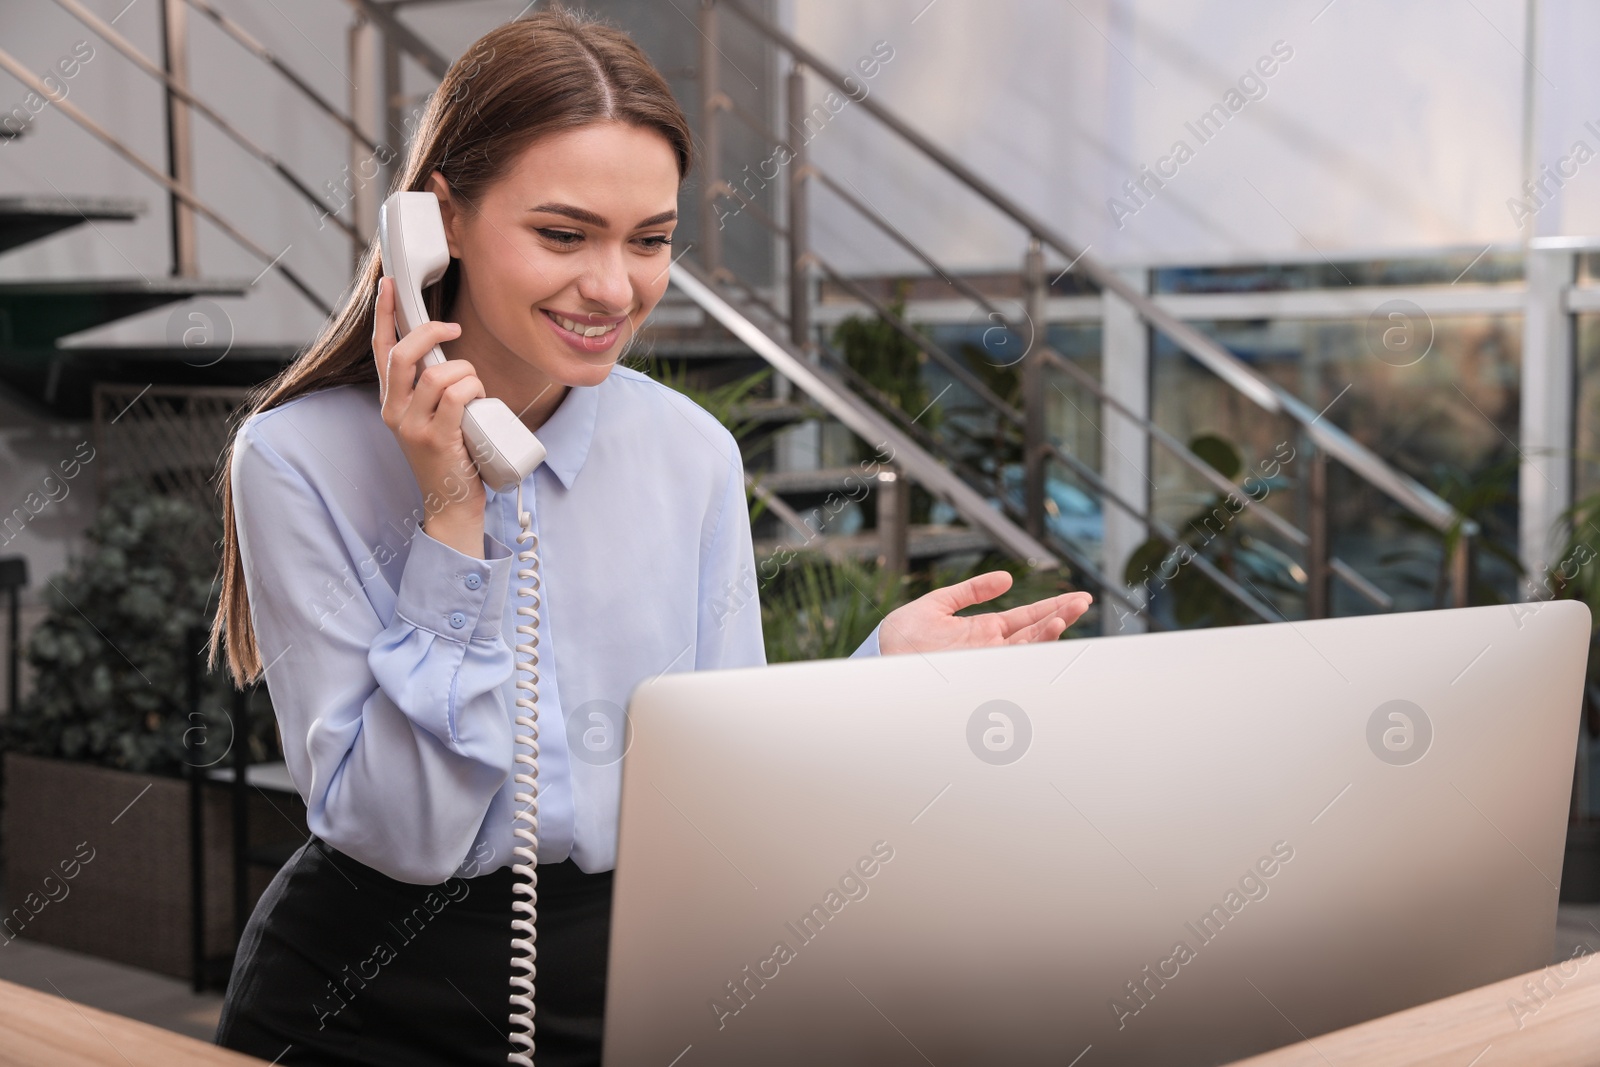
(473, 581)
(457, 619)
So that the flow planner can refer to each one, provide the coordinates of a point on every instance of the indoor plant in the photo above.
(96, 756)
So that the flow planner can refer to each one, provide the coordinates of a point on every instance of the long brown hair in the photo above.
(553, 70)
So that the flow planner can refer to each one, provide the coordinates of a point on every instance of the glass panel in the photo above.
(988, 444)
(1073, 417)
(1492, 268)
(1447, 418)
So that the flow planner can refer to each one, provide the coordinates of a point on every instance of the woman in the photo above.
(367, 568)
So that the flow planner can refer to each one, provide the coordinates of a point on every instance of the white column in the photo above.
(1549, 384)
(1125, 447)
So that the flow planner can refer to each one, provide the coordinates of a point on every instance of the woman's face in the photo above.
(568, 251)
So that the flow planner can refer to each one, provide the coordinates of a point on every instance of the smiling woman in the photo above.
(556, 166)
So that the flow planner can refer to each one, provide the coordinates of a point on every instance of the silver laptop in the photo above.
(1175, 848)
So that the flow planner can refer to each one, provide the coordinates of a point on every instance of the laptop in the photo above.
(1168, 848)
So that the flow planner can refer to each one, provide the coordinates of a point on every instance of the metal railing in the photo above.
(177, 176)
(804, 264)
(1023, 532)
(864, 420)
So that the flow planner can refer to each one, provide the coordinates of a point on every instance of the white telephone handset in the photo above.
(415, 254)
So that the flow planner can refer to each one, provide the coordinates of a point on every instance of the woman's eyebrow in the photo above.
(584, 215)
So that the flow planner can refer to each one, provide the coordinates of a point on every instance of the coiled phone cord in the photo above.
(527, 817)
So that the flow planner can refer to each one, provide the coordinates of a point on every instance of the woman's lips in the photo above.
(597, 343)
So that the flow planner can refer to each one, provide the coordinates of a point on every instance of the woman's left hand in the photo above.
(930, 623)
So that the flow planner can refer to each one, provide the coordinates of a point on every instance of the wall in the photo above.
(1384, 127)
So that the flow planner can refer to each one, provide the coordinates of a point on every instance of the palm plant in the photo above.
(822, 608)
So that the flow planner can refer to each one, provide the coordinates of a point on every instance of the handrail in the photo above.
(396, 31)
(1405, 490)
(123, 45)
(723, 188)
(871, 214)
(1218, 481)
(1163, 531)
(951, 365)
(780, 507)
(931, 443)
(751, 121)
(263, 53)
(864, 420)
(1285, 528)
(404, 36)
(1012, 415)
(73, 112)
(1085, 566)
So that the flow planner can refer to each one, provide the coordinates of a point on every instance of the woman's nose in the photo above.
(606, 281)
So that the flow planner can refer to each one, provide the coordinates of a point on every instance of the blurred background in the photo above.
(1226, 312)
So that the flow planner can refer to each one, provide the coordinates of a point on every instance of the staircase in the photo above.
(35, 316)
(1028, 495)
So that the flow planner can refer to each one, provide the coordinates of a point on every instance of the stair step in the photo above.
(677, 347)
(36, 313)
(61, 380)
(194, 357)
(922, 542)
(823, 480)
(776, 411)
(24, 219)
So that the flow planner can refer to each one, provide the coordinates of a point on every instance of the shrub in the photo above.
(111, 658)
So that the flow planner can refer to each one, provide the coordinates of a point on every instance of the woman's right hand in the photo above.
(426, 420)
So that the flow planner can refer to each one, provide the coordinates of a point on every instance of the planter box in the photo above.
(124, 840)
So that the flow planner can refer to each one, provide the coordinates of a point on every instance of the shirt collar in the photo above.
(566, 434)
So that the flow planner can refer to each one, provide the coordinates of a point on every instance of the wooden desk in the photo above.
(1477, 1028)
(1472, 1029)
(41, 1030)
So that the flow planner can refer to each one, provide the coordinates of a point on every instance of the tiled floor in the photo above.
(168, 1003)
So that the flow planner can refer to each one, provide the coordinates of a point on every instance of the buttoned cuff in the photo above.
(869, 647)
(449, 593)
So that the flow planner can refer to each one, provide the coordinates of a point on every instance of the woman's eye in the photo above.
(561, 237)
(658, 241)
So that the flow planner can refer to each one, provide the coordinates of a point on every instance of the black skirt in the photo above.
(342, 965)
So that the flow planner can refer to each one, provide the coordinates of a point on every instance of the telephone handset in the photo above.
(415, 254)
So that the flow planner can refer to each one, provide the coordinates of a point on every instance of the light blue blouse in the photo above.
(390, 656)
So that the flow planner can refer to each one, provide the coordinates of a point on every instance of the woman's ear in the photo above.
(447, 211)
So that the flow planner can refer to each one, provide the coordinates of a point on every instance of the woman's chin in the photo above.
(562, 365)
(591, 367)
(591, 370)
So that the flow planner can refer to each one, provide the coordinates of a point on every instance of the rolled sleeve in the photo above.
(869, 647)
